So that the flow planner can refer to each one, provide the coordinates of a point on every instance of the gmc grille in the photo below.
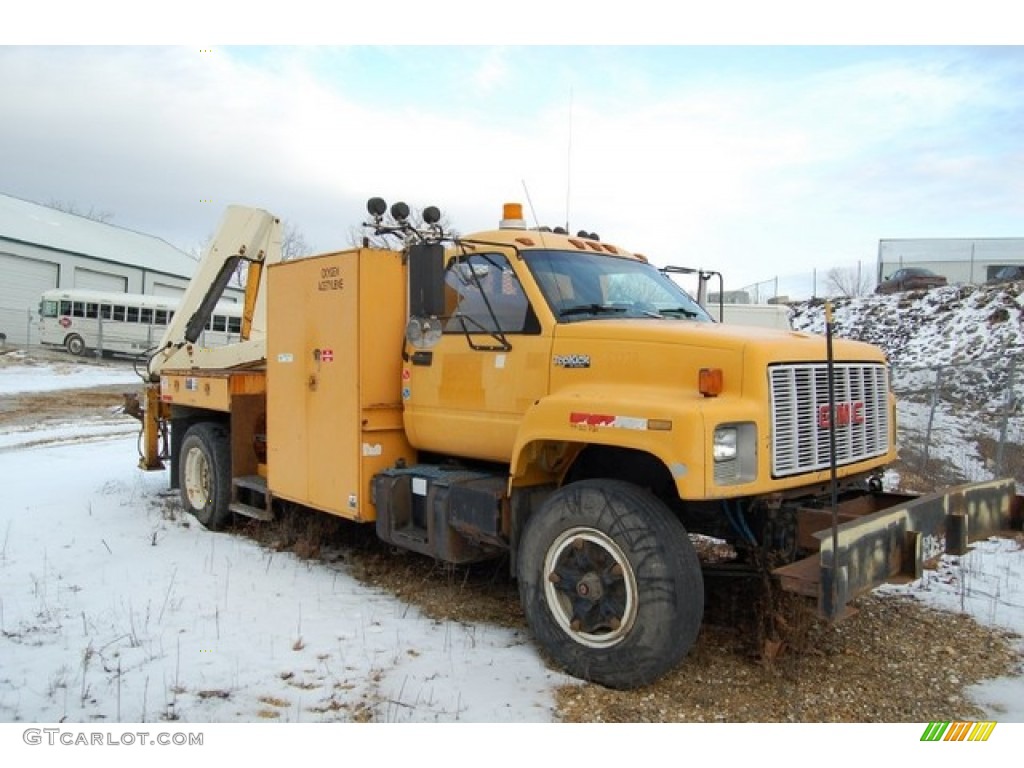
(800, 415)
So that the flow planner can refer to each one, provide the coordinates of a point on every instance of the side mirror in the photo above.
(426, 280)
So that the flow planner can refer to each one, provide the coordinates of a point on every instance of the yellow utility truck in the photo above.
(553, 399)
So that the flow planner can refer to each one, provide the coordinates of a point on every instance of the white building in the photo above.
(41, 248)
(961, 260)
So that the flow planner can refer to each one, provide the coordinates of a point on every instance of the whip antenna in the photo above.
(568, 166)
(529, 203)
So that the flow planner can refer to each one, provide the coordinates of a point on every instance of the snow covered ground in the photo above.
(117, 609)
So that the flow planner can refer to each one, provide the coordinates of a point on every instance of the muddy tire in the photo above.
(75, 344)
(204, 474)
(610, 583)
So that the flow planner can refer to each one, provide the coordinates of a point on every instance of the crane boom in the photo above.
(244, 234)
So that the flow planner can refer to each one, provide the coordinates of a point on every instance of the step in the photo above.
(251, 483)
(247, 510)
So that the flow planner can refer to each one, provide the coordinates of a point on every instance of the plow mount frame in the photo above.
(896, 543)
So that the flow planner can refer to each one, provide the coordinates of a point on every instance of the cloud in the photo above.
(746, 159)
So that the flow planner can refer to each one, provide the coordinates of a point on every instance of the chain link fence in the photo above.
(856, 279)
(962, 422)
(18, 326)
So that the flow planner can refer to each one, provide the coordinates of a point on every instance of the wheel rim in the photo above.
(197, 478)
(590, 587)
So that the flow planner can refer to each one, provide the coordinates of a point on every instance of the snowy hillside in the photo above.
(950, 325)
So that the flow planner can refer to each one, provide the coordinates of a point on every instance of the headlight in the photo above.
(734, 450)
(724, 447)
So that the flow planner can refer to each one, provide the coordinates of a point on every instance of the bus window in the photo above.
(146, 316)
(105, 311)
(132, 315)
(234, 325)
(92, 310)
(119, 313)
(220, 323)
(160, 317)
(49, 308)
(65, 307)
(78, 309)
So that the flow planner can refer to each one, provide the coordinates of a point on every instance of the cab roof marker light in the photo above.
(578, 243)
(524, 241)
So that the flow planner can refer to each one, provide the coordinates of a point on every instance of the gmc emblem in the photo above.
(846, 414)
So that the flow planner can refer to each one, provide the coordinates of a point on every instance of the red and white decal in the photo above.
(580, 420)
(326, 355)
(65, 322)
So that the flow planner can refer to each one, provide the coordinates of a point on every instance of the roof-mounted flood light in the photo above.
(400, 212)
(376, 206)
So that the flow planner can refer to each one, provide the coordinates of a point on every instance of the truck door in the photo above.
(466, 396)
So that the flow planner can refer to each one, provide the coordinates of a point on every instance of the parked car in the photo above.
(1005, 274)
(910, 279)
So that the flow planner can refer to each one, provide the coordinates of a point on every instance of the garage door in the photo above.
(100, 281)
(23, 280)
(163, 289)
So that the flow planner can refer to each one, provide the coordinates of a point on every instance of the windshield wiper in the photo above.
(590, 309)
(678, 311)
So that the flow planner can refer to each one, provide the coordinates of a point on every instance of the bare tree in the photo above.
(360, 236)
(293, 246)
(293, 243)
(72, 208)
(849, 281)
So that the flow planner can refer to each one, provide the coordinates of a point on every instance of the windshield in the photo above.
(585, 286)
(48, 308)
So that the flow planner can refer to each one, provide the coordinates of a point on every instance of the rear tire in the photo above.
(610, 583)
(75, 344)
(204, 474)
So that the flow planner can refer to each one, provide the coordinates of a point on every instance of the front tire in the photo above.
(610, 583)
(75, 344)
(204, 474)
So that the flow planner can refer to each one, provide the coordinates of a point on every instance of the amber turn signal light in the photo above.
(710, 382)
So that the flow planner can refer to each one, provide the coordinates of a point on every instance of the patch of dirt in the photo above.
(61, 407)
(895, 661)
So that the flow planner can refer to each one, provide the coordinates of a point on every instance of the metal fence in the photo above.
(18, 325)
(962, 422)
(856, 279)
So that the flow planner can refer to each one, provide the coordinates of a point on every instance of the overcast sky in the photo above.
(756, 161)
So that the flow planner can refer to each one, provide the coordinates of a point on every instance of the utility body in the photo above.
(553, 399)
